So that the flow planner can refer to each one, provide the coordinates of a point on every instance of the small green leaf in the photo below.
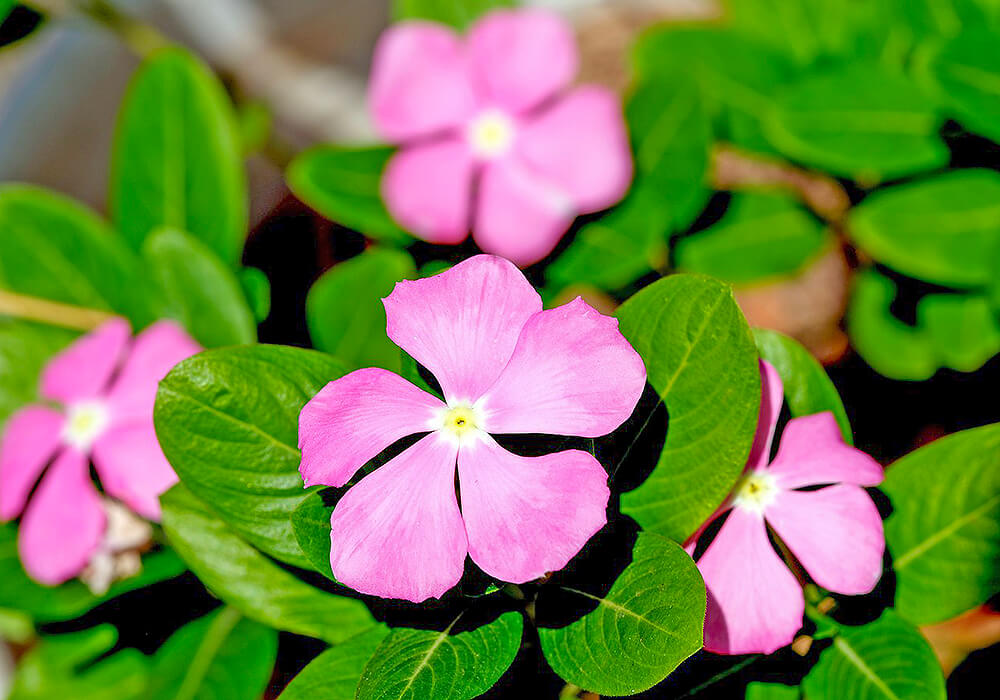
(413, 663)
(177, 159)
(966, 72)
(344, 309)
(311, 524)
(944, 530)
(772, 691)
(884, 660)
(700, 358)
(342, 184)
(25, 348)
(247, 580)
(335, 674)
(5, 7)
(257, 288)
(641, 630)
(962, 328)
(459, 14)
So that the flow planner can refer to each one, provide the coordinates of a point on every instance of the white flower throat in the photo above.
(85, 421)
(755, 491)
(491, 134)
(461, 423)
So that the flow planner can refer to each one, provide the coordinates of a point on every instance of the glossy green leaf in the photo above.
(808, 388)
(884, 660)
(247, 580)
(642, 628)
(760, 236)
(456, 13)
(944, 530)
(342, 184)
(772, 691)
(25, 348)
(198, 290)
(221, 656)
(5, 7)
(257, 288)
(942, 229)
(227, 420)
(701, 359)
(311, 524)
(963, 329)
(334, 674)
(344, 308)
(967, 73)
(177, 159)
(412, 663)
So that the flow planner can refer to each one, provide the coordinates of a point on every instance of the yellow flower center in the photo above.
(491, 134)
(85, 421)
(462, 423)
(755, 491)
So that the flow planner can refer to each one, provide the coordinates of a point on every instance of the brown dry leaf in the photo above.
(953, 640)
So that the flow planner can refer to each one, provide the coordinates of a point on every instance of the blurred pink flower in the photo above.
(755, 604)
(505, 366)
(492, 137)
(106, 392)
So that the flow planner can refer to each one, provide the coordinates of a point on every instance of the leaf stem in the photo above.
(51, 312)
(140, 37)
(217, 633)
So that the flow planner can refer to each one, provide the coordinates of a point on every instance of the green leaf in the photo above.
(227, 420)
(342, 184)
(344, 309)
(944, 531)
(247, 580)
(311, 524)
(859, 121)
(885, 660)
(962, 328)
(220, 656)
(257, 288)
(966, 72)
(943, 229)
(700, 358)
(808, 388)
(761, 236)
(334, 674)
(177, 159)
(641, 630)
(25, 348)
(456, 13)
(5, 7)
(198, 289)
(772, 691)
(413, 663)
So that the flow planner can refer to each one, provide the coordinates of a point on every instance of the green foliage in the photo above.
(885, 660)
(311, 524)
(700, 358)
(334, 674)
(177, 159)
(966, 72)
(944, 531)
(772, 691)
(257, 289)
(962, 329)
(5, 7)
(25, 348)
(456, 13)
(642, 629)
(412, 663)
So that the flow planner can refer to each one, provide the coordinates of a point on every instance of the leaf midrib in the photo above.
(217, 633)
(937, 537)
(852, 656)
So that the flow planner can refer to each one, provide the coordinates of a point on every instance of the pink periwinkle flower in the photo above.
(755, 603)
(492, 137)
(505, 366)
(102, 388)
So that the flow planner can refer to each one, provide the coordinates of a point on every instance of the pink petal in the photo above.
(419, 81)
(64, 522)
(520, 215)
(132, 467)
(29, 441)
(755, 605)
(836, 533)
(580, 145)
(812, 451)
(526, 516)
(154, 353)
(398, 533)
(572, 373)
(354, 418)
(83, 370)
(772, 396)
(521, 57)
(462, 324)
(428, 190)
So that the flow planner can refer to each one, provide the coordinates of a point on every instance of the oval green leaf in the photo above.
(335, 674)
(966, 71)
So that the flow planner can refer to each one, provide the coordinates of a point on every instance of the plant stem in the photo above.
(140, 37)
(51, 312)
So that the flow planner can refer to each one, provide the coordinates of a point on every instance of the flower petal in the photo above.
(812, 451)
(462, 324)
(428, 190)
(354, 418)
(133, 468)
(398, 533)
(580, 145)
(29, 441)
(64, 522)
(83, 370)
(526, 516)
(419, 84)
(772, 396)
(521, 57)
(520, 215)
(755, 605)
(835, 532)
(572, 373)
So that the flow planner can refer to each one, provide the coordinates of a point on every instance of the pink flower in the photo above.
(755, 604)
(505, 366)
(105, 391)
(490, 119)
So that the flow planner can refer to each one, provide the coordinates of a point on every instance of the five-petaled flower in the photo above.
(492, 119)
(755, 603)
(504, 366)
(104, 392)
